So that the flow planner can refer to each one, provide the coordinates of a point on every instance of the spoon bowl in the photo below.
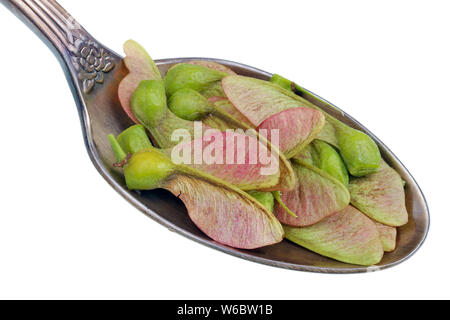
(94, 73)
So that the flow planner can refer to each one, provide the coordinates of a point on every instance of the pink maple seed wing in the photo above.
(225, 110)
(297, 127)
(316, 196)
(213, 65)
(348, 236)
(256, 99)
(232, 157)
(226, 216)
(381, 196)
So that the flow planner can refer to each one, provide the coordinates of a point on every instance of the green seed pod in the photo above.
(134, 139)
(190, 105)
(191, 76)
(328, 159)
(148, 170)
(149, 102)
(265, 198)
(214, 89)
(281, 81)
(119, 153)
(359, 152)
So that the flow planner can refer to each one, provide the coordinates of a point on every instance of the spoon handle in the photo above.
(84, 59)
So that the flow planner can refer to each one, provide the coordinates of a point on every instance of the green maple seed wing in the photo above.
(141, 67)
(316, 196)
(388, 236)
(308, 155)
(329, 160)
(228, 217)
(347, 236)
(297, 127)
(328, 134)
(381, 196)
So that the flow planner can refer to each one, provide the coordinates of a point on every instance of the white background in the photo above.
(64, 233)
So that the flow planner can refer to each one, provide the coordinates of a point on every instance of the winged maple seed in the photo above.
(221, 210)
(227, 217)
(381, 196)
(316, 196)
(266, 107)
(348, 236)
(232, 157)
(141, 67)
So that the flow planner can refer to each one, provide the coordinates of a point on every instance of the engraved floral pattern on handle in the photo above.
(89, 59)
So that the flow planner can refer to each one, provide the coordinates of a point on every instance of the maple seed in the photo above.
(123, 162)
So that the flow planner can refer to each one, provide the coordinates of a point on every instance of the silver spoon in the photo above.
(94, 72)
